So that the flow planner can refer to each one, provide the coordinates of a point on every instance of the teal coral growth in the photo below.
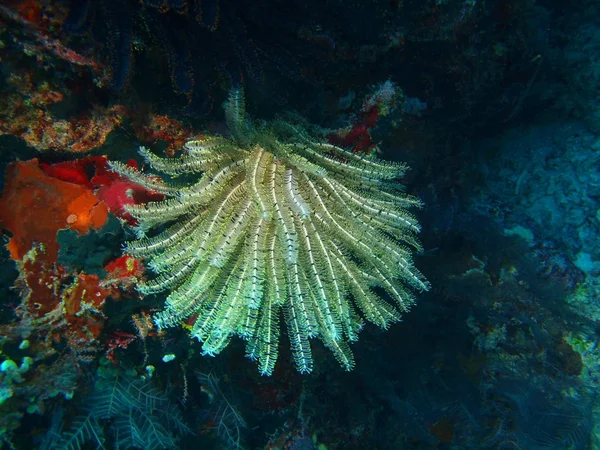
(120, 412)
(277, 222)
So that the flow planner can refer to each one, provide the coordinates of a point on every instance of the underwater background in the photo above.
(494, 105)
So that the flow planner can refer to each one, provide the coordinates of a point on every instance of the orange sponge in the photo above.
(34, 206)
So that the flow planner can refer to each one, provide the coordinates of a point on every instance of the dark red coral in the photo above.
(94, 173)
(121, 193)
(358, 139)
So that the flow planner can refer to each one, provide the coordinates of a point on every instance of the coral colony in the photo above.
(210, 231)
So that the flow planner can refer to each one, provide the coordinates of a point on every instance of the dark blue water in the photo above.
(351, 225)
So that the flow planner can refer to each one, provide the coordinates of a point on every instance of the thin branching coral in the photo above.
(277, 222)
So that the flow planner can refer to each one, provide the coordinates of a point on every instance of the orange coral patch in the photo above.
(34, 206)
(85, 294)
(86, 212)
(84, 301)
(123, 267)
(40, 280)
(13, 249)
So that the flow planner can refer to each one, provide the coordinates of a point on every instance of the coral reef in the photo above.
(161, 128)
(50, 210)
(26, 113)
(494, 104)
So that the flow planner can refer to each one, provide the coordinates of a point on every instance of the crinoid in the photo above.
(277, 222)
